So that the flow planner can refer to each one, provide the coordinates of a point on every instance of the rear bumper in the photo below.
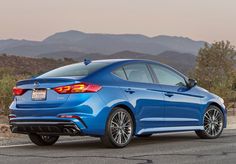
(90, 109)
(48, 127)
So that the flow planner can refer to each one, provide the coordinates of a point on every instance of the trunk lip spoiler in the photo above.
(50, 80)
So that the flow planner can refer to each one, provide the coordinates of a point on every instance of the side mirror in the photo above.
(192, 83)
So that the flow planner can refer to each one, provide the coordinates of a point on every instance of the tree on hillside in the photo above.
(215, 69)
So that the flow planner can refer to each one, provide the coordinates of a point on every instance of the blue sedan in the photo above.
(115, 100)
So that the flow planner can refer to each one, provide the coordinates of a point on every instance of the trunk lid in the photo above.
(52, 98)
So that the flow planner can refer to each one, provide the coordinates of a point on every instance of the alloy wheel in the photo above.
(213, 122)
(121, 127)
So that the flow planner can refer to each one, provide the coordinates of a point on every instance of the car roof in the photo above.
(125, 60)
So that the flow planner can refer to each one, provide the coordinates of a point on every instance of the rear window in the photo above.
(79, 69)
(120, 73)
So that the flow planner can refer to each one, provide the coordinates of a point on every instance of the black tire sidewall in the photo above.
(37, 139)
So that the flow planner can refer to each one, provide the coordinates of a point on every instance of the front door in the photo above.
(182, 104)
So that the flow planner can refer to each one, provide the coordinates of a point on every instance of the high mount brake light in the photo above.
(77, 88)
(18, 91)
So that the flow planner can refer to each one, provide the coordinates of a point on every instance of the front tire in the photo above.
(119, 129)
(213, 121)
(42, 140)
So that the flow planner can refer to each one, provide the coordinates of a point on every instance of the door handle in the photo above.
(169, 94)
(129, 90)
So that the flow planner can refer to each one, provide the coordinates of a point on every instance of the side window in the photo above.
(120, 73)
(138, 73)
(167, 77)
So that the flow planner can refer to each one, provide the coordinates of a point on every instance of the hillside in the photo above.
(182, 61)
(77, 41)
(16, 65)
(26, 65)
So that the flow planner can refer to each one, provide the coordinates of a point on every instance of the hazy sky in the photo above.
(209, 20)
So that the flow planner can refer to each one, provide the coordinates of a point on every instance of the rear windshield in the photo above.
(79, 69)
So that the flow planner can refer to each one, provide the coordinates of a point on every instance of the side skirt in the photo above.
(169, 129)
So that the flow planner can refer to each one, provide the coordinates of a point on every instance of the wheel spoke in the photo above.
(114, 123)
(122, 117)
(216, 114)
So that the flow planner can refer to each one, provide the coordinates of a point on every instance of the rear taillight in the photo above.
(10, 116)
(18, 91)
(77, 88)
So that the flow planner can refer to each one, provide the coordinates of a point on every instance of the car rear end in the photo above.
(60, 102)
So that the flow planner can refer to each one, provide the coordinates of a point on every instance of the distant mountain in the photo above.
(183, 62)
(11, 43)
(178, 44)
(93, 43)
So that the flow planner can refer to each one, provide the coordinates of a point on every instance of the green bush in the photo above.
(7, 82)
(215, 70)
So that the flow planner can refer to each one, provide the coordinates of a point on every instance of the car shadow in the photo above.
(94, 143)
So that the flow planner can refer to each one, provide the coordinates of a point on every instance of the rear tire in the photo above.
(42, 140)
(213, 121)
(119, 129)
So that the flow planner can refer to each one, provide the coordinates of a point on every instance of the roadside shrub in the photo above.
(7, 82)
(215, 70)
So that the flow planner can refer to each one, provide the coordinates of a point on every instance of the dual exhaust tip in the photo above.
(71, 131)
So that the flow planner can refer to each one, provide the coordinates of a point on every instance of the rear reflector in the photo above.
(77, 88)
(18, 91)
(68, 116)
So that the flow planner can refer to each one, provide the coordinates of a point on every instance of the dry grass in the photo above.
(3, 119)
(5, 131)
(4, 128)
(231, 122)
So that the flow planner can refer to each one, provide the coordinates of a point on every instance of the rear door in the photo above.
(182, 104)
(145, 96)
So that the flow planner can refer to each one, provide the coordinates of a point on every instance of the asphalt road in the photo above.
(165, 148)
